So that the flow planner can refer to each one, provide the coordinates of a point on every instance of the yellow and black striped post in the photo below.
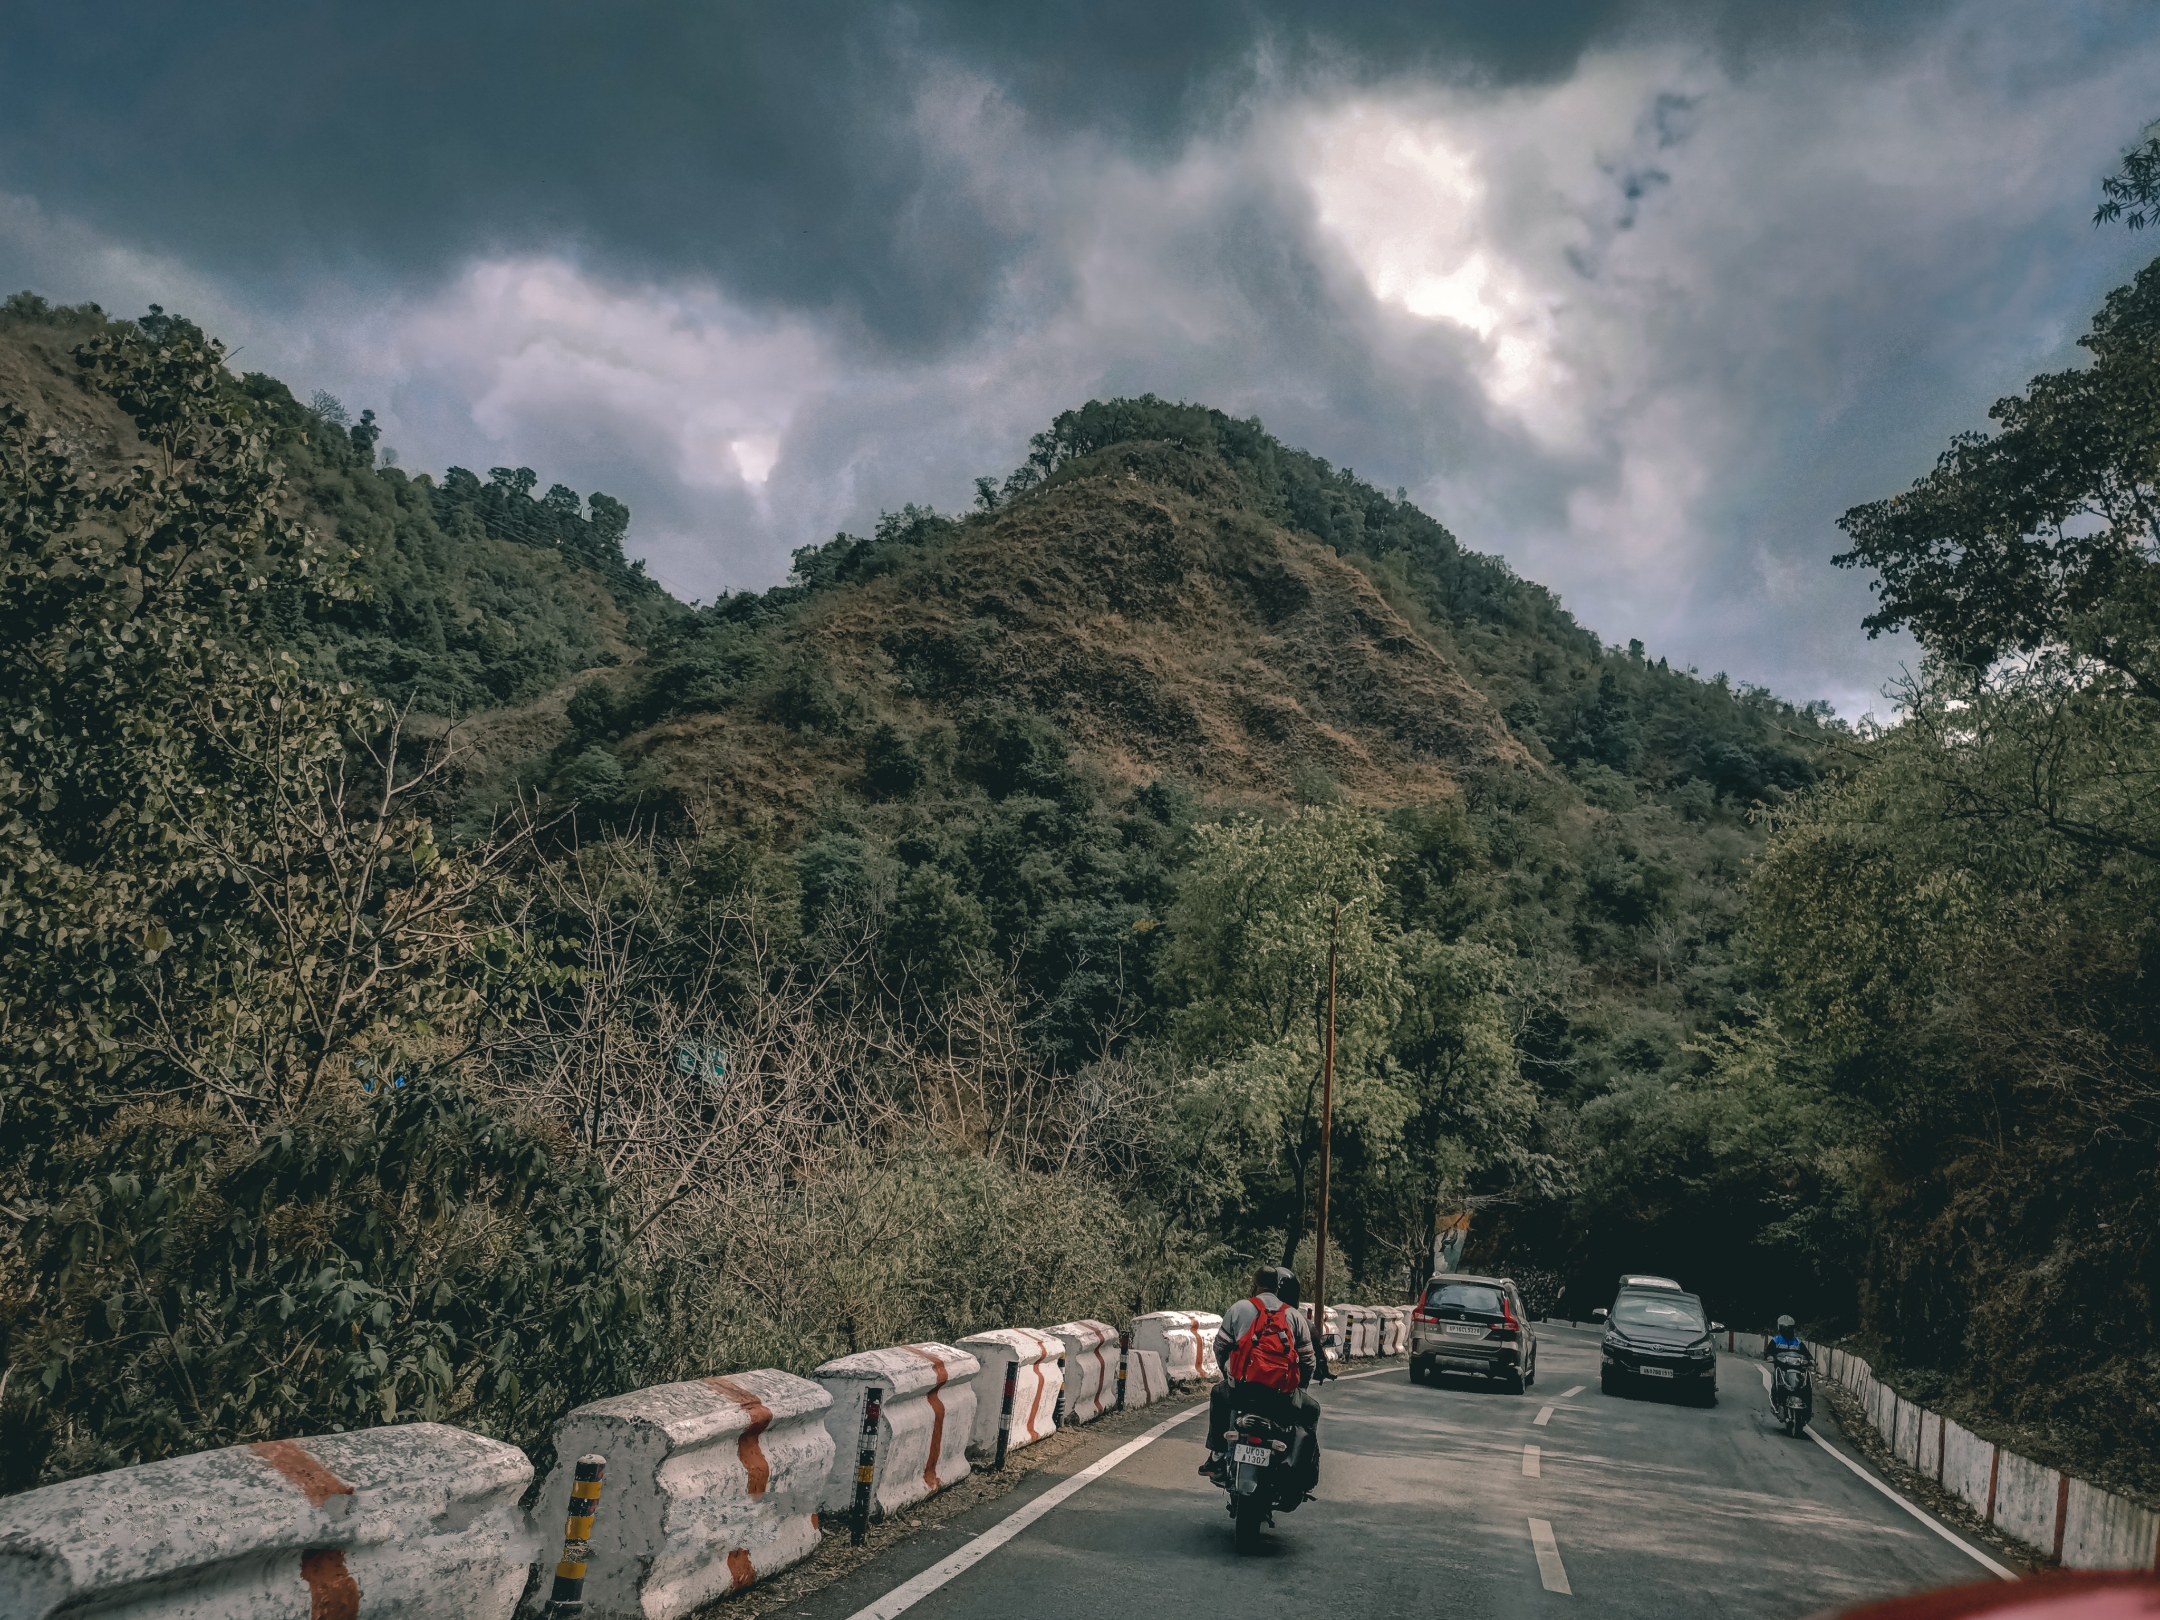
(865, 1465)
(568, 1598)
(1124, 1350)
(1012, 1383)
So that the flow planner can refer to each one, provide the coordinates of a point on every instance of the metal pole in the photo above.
(865, 1465)
(568, 1596)
(1012, 1380)
(1327, 1137)
(1057, 1412)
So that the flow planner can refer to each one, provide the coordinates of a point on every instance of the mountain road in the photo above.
(1449, 1499)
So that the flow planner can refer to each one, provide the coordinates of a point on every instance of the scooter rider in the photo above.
(1272, 1307)
(1787, 1337)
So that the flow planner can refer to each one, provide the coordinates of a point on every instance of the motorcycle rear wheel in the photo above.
(1250, 1511)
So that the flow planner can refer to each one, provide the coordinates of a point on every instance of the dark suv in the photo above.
(1473, 1325)
(1659, 1336)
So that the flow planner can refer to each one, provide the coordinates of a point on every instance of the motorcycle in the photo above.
(1264, 1471)
(1792, 1390)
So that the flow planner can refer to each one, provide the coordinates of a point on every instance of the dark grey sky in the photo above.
(1640, 297)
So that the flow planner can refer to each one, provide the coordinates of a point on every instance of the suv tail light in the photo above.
(1507, 1327)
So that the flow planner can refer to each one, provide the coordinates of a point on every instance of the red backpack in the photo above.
(1267, 1354)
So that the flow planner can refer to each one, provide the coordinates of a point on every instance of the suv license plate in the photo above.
(1258, 1456)
(1655, 1372)
(1465, 1332)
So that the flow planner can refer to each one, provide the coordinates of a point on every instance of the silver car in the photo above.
(1473, 1325)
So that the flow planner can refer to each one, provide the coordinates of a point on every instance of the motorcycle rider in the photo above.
(1787, 1337)
(1272, 1308)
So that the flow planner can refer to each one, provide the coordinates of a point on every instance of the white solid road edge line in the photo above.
(1551, 1572)
(1911, 1507)
(908, 1593)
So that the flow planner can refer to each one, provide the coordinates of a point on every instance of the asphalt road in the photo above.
(1429, 1504)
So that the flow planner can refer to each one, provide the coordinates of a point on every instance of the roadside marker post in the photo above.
(866, 1465)
(568, 1596)
(1012, 1379)
(1124, 1353)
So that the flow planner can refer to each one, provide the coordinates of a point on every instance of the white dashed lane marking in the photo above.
(1530, 1455)
(1550, 1570)
(1577, 1390)
(1543, 1417)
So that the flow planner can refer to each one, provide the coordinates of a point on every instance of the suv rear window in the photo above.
(1467, 1298)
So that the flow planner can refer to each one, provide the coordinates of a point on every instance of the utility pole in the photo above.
(1327, 1137)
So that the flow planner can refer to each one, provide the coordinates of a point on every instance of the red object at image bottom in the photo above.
(2056, 1595)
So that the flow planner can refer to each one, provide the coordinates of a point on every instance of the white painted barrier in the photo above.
(1035, 1389)
(412, 1522)
(2069, 1519)
(1395, 1330)
(711, 1485)
(1184, 1339)
(1361, 1325)
(1145, 1380)
(927, 1419)
(1091, 1352)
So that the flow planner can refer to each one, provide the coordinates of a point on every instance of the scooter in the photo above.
(1792, 1390)
(1264, 1471)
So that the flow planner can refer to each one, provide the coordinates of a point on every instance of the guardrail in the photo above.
(663, 1499)
(2078, 1524)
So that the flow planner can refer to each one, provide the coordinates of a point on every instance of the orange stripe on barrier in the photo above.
(747, 1449)
(1199, 1351)
(1035, 1405)
(937, 1417)
(740, 1572)
(331, 1591)
(310, 1477)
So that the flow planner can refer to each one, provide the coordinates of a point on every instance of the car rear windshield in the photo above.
(1467, 1298)
(1647, 1310)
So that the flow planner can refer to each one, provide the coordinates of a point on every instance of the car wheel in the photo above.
(1515, 1383)
(1530, 1379)
(1607, 1384)
(1418, 1371)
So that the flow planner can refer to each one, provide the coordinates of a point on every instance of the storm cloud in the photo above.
(1640, 299)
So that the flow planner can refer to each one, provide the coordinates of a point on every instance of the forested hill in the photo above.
(986, 864)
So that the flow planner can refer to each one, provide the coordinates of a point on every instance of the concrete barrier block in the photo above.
(1904, 1437)
(1968, 1462)
(1091, 1351)
(1184, 1339)
(1035, 1389)
(1145, 1380)
(928, 1416)
(2104, 1531)
(417, 1521)
(711, 1485)
(2025, 1502)
(1330, 1328)
(1394, 1329)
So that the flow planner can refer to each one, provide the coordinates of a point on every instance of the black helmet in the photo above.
(1286, 1288)
(1784, 1322)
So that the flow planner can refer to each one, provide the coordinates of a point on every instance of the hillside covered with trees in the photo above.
(445, 976)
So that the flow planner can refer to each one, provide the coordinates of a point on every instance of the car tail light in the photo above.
(1423, 1315)
(1508, 1327)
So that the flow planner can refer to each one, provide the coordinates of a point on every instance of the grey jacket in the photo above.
(1241, 1316)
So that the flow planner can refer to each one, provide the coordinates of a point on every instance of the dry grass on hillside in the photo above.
(1168, 628)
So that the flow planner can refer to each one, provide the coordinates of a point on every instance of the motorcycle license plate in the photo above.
(1464, 1332)
(1258, 1456)
(1655, 1372)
